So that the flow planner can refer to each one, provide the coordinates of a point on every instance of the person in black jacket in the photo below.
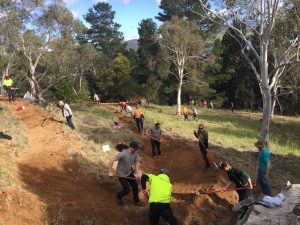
(240, 178)
(202, 135)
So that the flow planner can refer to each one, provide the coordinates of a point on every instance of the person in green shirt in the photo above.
(264, 167)
(202, 135)
(159, 197)
(8, 86)
(241, 179)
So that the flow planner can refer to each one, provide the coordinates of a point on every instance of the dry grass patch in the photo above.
(9, 149)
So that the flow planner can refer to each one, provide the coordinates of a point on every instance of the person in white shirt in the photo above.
(67, 112)
(128, 110)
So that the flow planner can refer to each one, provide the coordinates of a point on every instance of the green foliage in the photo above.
(190, 10)
(65, 91)
(104, 32)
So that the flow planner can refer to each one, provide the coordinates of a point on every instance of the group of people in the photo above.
(160, 185)
(129, 174)
(241, 179)
(185, 113)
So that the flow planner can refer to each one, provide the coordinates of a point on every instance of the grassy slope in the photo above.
(94, 125)
(12, 126)
(232, 136)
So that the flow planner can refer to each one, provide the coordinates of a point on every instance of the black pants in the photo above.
(139, 124)
(163, 210)
(243, 194)
(155, 147)
(186, 116)
(10, 94)
(70, 122)
(195, 116)
(204, 154)
(126, 183)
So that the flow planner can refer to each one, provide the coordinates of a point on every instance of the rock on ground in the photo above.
(283, 215)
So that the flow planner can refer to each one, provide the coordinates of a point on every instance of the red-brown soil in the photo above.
(51, 188)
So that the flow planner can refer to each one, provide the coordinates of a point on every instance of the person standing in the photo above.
(240, 178)
(8, 86)
(185, 113)
(202, 135)
(128, 110)
(264, 167)
(128, 164)
(138, 117)
(123, 106)
(195, 114)
(232, 107)
(96, 99)
(67, 112)
(159, 197)
(156, 137)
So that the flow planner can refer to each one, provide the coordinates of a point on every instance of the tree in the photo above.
(104, 32)
(42, 34)
(263, 14)
(182, 40)
(186, 9)
(148, 60)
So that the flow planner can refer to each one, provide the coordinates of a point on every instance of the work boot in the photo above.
(119, 201)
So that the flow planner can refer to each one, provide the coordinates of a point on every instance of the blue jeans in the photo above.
(140, 125)
(70, 122)
(264, 183)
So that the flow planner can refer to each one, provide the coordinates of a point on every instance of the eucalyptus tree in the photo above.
(259, 18)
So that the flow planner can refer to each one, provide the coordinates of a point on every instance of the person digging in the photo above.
(202, 136)
(240, 178)
(128, 164)
(155, 137)
(159, 197)
(67, 112)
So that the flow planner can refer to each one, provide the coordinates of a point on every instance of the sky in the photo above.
(129, 13)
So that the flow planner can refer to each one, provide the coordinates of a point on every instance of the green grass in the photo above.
(238, 130)
(232, 137)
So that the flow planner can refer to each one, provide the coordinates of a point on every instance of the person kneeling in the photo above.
(159, 197)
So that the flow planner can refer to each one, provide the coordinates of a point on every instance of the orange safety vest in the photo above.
(185, 110)
(138, 113)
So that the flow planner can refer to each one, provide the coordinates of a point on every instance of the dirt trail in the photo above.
(50, 185)
(188, 174)
(52, 188)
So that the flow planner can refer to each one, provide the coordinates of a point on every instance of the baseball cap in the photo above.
(165, 171)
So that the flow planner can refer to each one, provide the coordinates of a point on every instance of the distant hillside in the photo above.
(132, 44)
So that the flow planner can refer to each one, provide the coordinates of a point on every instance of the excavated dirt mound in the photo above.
(51, 187)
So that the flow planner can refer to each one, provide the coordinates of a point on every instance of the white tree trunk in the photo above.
(267, 98)
(33, 88)
(178, 112)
